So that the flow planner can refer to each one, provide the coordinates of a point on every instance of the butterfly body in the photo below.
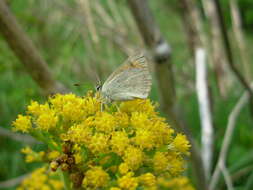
(130, 81)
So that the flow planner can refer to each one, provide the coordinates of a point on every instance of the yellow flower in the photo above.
(176, 183)
(162, 133)
(119, 141)
(138, 105)
(140, 121)
(39, 180)
(32, 156)
(128, 182)
(176, 164)
(144, 139)
(80, 133)
(74, 108)
(26, 150)
(91, 104)
(104, 122)
(99, 143)
(47, 121)
(131, 142)
(53, 155)
(181, 143)
(78, 158)
(123, 168)
(122, 119)
(56, 184)
(115, 188)
(95, 177)
(133, 157)
(148, 179)
(160, 162)
(22, 123)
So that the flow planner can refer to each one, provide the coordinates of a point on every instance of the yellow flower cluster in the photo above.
(32, 156)
(177, 183)
(123, 146)
(41, 179)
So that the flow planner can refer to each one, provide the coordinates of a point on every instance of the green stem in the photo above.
(66, 181)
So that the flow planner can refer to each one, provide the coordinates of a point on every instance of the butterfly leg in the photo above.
(118, 109)
(101, 106)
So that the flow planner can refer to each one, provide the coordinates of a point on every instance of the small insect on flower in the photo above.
(130, 81)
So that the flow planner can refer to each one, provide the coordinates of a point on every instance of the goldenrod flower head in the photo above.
(115, 188)
(181, 144)
(176, 165)
(32, 156)
(138, 105)
(124, 146)
(47, 121)
(122, 119)
(128, 182)
(79, 133)
(53, 155)
(144, 139)
(160, 162)
(99, 143)
(119, 141)
(148, 180)
(39, 179)
(133, 157)
(123, 168)
(95, 177)
(104, 122)
(36, 109)
(22, 123)
(27, 150)
(176, 183)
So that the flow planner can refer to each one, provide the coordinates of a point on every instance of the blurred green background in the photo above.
(60, 33)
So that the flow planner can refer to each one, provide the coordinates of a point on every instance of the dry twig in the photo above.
(13, 182)
(227, 139)
(18, 137)
(204, 111)
(27, 53)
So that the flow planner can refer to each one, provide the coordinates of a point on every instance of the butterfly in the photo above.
(132, 80)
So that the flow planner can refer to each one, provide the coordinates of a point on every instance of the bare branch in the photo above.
(227, 177)
(25, 50)
(229, 52)
(13, 182)
(160, 50)
(27, 139)
(204, 110)
(217, 49)
(239, 37)
(84, 6)
(161, 53)
(227, 138)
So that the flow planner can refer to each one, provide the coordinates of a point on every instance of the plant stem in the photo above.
(66, 181)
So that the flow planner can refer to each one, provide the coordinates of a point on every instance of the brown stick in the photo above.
(160, 50)
(18, 137)
(161, 53)
(13, 182)
(26, 52)
(239, 37)
(217, 51)
(228, 49)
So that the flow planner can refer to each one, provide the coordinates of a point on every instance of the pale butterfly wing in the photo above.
(131, 80)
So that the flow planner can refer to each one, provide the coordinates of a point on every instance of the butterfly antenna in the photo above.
(98, 81)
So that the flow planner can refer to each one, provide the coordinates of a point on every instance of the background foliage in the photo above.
(59, 33)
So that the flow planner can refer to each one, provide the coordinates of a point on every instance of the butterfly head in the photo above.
(98, 87)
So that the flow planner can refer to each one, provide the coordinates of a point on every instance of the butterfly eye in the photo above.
(98, 87)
